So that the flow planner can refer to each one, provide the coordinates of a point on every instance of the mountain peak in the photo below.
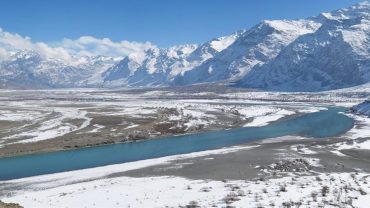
(219, 44)
(360, 10)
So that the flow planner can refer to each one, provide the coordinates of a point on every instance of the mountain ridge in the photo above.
(325, 52)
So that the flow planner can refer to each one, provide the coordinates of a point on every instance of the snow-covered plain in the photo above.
(56, 113)
(92, 187)
(343, 190)
(42, 121)
(74, 189)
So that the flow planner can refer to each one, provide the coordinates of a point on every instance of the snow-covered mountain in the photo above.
(149, 68)
(329, 51)
(95, 67)
(159, 67)
(326, 52)
(255, 46)
(335, 56)
(27, 69)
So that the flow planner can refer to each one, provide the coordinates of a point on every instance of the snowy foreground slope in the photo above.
(329, 51)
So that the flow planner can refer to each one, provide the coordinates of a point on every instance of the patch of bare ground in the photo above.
(9, 205)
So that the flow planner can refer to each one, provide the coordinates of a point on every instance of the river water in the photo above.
(325, 123)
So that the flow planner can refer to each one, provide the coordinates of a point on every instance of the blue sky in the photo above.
(162, 22)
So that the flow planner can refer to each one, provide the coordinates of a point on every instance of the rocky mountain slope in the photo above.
(159, 67)
(334, 56)
(362, 108)
(253, 47)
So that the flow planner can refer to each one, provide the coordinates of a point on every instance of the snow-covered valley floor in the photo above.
(41, 121)
(290, 171)
(321, 190)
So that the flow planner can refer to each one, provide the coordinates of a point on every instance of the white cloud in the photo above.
(65, 49)
(4, 53)
(88, 45)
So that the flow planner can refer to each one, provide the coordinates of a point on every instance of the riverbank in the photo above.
(273, 172)
(65, 120)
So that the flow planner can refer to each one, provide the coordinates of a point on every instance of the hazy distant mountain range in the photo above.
(329, 51)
